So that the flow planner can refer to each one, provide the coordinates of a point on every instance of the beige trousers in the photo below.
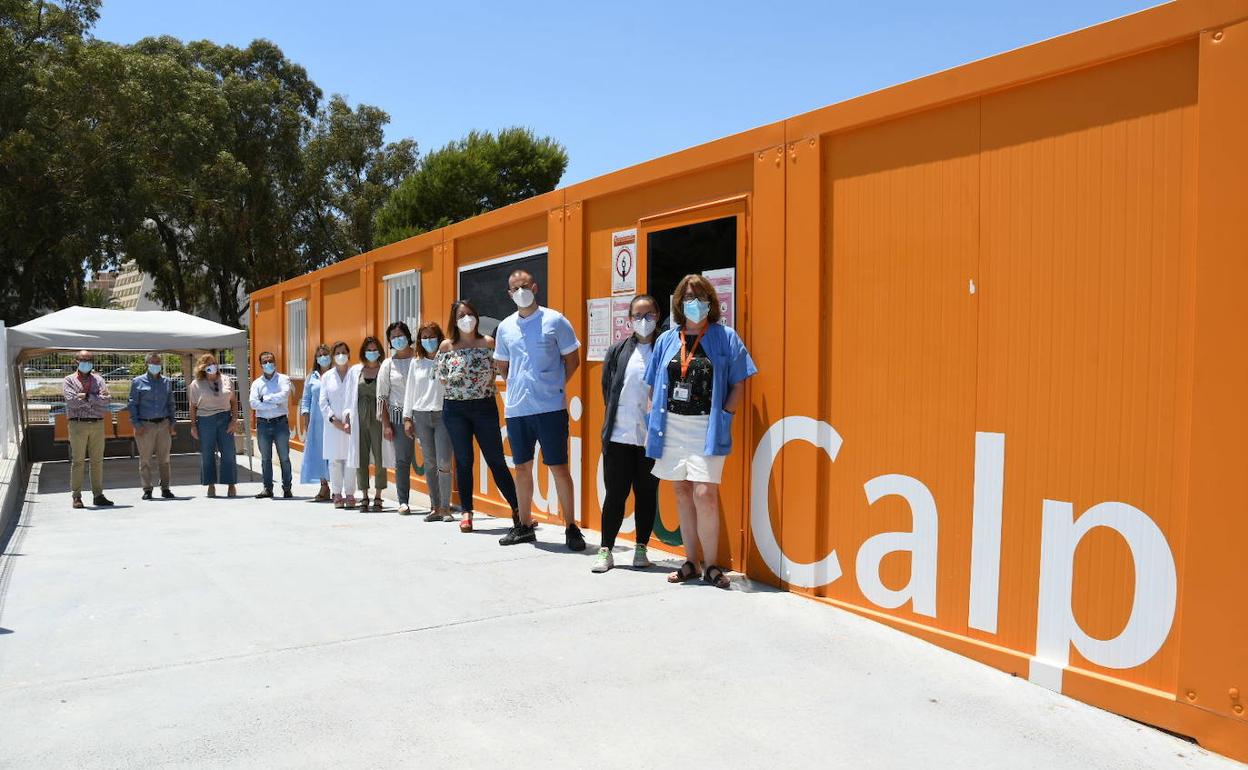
(153, 439)
(86, 442)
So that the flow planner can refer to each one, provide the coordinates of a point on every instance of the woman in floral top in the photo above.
(466, 369)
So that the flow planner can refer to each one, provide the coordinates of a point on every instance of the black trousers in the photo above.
(626, 468)
(477, 418)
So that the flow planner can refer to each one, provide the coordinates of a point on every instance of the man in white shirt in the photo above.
(270, 401)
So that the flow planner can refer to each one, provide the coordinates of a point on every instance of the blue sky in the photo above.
(616, 83)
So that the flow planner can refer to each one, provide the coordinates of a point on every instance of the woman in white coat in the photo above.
(337, 403)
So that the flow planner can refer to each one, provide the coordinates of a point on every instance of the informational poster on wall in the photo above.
(725, 282)
(599, 325)
(624, 262)
(621, 324)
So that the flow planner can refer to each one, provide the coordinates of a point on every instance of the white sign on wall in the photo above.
(624, 262)
(599, 328)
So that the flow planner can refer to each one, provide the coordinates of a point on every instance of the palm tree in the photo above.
(96, 297)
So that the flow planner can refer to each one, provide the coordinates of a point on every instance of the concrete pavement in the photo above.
(245, 633)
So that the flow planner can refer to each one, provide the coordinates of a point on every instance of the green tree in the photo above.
(352, 171)
(58, 188)
(478, 173)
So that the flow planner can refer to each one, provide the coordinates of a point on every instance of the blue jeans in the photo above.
(213, 439)
(477, 418)
(275, 432)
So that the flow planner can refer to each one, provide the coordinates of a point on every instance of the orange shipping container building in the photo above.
(999, 315)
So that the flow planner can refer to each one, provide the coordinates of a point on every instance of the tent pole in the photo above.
(242, 363)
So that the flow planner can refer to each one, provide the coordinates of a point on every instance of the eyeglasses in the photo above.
(515, 289)
(645, 316)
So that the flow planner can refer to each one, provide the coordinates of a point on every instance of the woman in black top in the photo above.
(625, 465)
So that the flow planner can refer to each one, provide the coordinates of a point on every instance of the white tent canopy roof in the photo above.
(96, 329)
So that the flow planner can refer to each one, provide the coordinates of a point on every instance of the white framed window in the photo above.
(403, 298)
(297, 338)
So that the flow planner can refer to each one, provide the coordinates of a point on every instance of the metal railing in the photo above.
(42, 379)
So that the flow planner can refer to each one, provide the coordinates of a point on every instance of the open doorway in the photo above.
(675, 252)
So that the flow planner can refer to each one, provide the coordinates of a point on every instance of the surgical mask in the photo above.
(269, 368)
(372, 355)
(153, 368)
(429, 344)
(399, 343)
(466, 323)
(522, 297)
(322, 361)
(341, 359)
(84, 367)
(696, 310)
(643, 326)
(211, 368)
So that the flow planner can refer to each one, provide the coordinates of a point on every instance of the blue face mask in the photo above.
(322, 361)
(269, 368)
(429, 345)
(696, 310)
(84, 367)
(154, 368)
(372, 355)
(399, 343)
(211, 368)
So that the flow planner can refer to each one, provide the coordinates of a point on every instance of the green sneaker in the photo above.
(640, 559)
(603, 561)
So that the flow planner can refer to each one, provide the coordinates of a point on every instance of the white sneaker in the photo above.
(603, 561)
(640, 559)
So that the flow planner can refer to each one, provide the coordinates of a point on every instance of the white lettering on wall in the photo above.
(1152, 609)
(1156, 583)
(986, 530)
(921, 542)
(822, 435)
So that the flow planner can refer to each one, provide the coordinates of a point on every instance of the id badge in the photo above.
(681, 391)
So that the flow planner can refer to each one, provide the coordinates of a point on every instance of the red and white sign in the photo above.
(621, 324)
(624, 262)
(725, 282)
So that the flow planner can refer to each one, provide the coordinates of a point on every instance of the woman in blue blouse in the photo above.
(697, 379)
(315, 467)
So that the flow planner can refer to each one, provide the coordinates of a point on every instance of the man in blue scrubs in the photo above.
(537, 352)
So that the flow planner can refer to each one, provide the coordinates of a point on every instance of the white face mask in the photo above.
(644, 326)
(341, 359)
(466, 323)
(522, 297)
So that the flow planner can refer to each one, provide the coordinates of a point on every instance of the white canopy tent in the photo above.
(98, 330)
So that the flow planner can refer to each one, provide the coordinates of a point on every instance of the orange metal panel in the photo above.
(901, 211)
(1085, 323)
(342, 314)
(1213, 630)
(764, 295)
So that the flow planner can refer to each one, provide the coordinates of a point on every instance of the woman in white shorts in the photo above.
(697, 379)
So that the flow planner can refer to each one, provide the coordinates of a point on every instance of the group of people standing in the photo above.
(670, 400)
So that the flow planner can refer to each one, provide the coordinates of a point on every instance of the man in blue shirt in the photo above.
(537, 352)
(155, 423)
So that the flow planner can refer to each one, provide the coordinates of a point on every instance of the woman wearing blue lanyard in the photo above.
(697, 379)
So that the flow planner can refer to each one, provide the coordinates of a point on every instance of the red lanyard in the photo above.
(685, 360)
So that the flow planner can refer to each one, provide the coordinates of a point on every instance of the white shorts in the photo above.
(684, 441)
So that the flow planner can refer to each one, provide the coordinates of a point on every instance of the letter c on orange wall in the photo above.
(796, 428)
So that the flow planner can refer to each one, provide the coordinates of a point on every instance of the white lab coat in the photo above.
(338, 397)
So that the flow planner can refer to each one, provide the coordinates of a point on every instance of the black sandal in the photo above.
(688, 571)
(716, 577)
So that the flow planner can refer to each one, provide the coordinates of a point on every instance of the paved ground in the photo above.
(252, 633)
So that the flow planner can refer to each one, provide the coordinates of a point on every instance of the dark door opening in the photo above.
(679, 251)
